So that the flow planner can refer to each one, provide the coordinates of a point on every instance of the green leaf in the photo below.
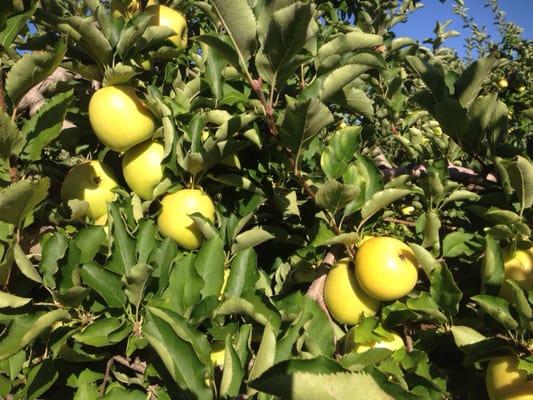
(340, 151)
(239, 22)
(431, 231)
(20, 198)
(91, 39)
(336, 80)
(333, 195)
(39, 379)
(347, 43)
(266, 353)
(173, 350)
(8, 300)
(488, 119)
(381, 200)
(302, 122)
(444, 290)
(13, 26)
(53, 250)
(469, 84)
(222, 46)
(243, 273)
(454, 122)
(425, 258)
(459, 243)
(135, 281)
(46, 124)
(99, 333)
(461, 195)
(11, 140)
(497, 308)
(209, 263)
(118, 74)
(317, 379)
(464, 335)
(518, 301)
(232, 371)
(492, 269)
(249, 304)
(431, 75)
(250, 238)
(185, 331)
(32, 68)
(123, 244)
(132, 33)
(185, 285)
(89, 241)
(24, 329)
(354, 101)
(25, 266)
(287, 33)
(425, 304)
(520, 172)
(105, 283)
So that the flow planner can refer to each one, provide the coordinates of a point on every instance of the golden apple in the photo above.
(506, 382)
(518, 267)
(386, 268)
(344, 298)
(142, 168)
(166, 16)
(407, 210)
(119, 9)
(503, 84)
(174, 221)
(92, 182)
(119, 118)
(217, 353)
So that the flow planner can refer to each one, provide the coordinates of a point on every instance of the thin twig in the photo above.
(108, 366)
(399, 221)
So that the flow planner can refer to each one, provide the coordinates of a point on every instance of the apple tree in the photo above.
(306, 130)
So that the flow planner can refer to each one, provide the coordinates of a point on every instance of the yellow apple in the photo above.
(119, 118)
(407, 210)
(503, 84)
(174, 221)
(386, 268)
(506, 382)
(344, 298)
(518, 267)
(119, 9)
(166, 16)
(217, 353)
(92, 182)
(142, 168)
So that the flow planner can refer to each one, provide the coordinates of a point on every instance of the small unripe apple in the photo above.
(503, 84)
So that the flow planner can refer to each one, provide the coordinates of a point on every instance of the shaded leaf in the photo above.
(32, 68)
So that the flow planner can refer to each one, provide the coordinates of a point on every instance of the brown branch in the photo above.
(137, 365)
(408, 339)
(462, 175)
(108, 366)
(3, 105)
(399, 221)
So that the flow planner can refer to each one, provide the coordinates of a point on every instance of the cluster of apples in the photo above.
(123, 123)
(385, 269)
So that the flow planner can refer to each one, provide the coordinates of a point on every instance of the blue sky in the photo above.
(421, 23)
